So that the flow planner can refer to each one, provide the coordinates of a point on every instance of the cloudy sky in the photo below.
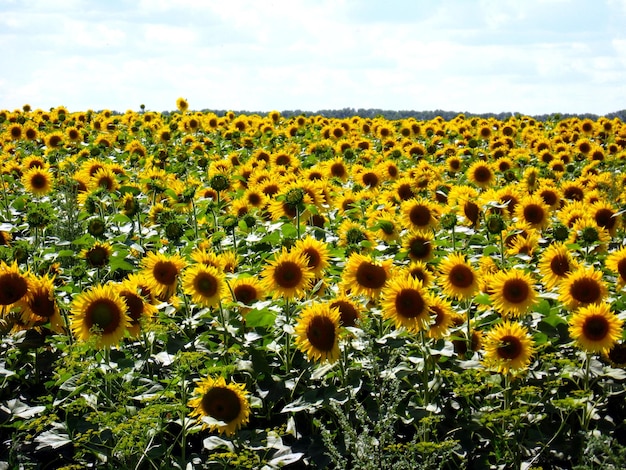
(528, 56)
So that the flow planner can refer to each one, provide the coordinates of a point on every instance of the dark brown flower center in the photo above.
(288, 274)
(482, 174)
(409, 303)
(515, 291)
(534, 214)
(245, 293)
(461, 276)
(205, 284)
(165, 272)
(510, 347)
(104, 314)
(321, 333)
(348, 315)
(42, 304)
(605, 218)
(313, 257)
(371, 276)
(12, 288)
(559, 265)
(419, 248)
(221, 403)
(596, 328)
(419, 215)
(586, 290)
(134, 304)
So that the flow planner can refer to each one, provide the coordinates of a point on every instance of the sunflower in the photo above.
(508, 347)
(220, 406)
(605, 216)
(316, 252)
(38, 181)
(162, 272)
(14, 285)
(442, 315)
(317, 332)
(139, 308)
(595, 328)
(555, 263)
(353, 233)
(349, 310)
(616, 262)
(287, 275)
(534, 211)
(206, 257)
(582, 287)
(404, 300)
(104, 178)
(5, 238)
(420, 271)
(481, 174)
(512, 292)
(182, 104)
(246, 290)
(616, 356)
(40, 305)
(204, 284)
(458, 277)
(419, 214)
(101, 312)
(419, 245)
(364, 276)
(98, 255)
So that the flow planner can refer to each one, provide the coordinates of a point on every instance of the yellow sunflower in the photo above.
(595, 328)
(508, 347)
(555, 263)
(442, 316)
(512, 292)
(316, 252)
(204, 284)
(38, 181)
(101, 312)
(317, 332)
(458, 278)
(364, 276)
(582, 287)
(40, 305)
(14, 284)
(481, 174)
(418, 245)
(247, 291)
(220, 406)
(349, 310)
(162, 272)
(98, 255)
(404, 300)
(139, 308)
(534, 211)
(419, 214)
(287, 275)
(616, 262)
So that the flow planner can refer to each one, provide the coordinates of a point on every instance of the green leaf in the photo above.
(262, 317)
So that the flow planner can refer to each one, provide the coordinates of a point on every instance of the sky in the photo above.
(476, 56)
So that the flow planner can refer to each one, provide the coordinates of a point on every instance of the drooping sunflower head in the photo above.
(512, 292)
(458, 278)
(162, 273)
(595, 328)
(287, 275)
(364, 276)
(220, 406)
(582, 287)
(204, 284)
(317, 332)
(508, 347)
(139, 308)
(100, 312)
(405, 302)
(14, 284)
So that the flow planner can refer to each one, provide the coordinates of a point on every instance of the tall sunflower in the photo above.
(162, 272)
(40, 305)
(38, 181)
(100, 312)
(512, 292)
(139, 308)
(555, 263)
(204, 284)
(220, 406)
(582, 287)
(508, 347)
(287, 275)
(317, 332)
(595, 328)
(316, 252)
(404, 300)
(458, 278)
(364, 276)
(616, 262)
(14, 284)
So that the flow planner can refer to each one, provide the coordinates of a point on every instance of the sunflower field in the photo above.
(192, 290)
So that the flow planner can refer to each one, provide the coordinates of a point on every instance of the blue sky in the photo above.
(528, 56)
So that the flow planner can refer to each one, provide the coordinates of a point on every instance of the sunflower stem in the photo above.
(298, 222)
(501, 250)
(222, 318)
(183, 431)
(468, 308)
(287, 337)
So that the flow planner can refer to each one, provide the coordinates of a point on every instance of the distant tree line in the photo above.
(419, 115)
